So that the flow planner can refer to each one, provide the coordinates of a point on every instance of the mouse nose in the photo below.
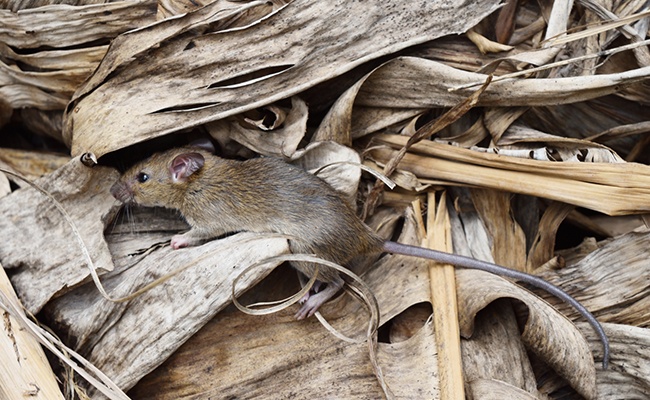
(121, 192)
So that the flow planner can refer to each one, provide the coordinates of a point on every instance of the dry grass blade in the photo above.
(632, 77)
(279, 305)
(595, 30)
(358, 288)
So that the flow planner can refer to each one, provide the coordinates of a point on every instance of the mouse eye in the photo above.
(142, 177)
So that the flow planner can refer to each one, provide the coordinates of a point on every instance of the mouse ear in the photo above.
(184, 165)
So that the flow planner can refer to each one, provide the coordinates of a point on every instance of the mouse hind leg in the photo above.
(312, 301)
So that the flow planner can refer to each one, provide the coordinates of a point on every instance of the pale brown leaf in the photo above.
(39, 248)
(182, 84)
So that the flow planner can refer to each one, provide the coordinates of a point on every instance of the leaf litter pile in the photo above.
(514, 133)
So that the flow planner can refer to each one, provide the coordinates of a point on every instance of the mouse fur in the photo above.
(218, 196)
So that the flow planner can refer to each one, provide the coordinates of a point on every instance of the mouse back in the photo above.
(322, 219)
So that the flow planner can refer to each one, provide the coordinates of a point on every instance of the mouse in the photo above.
(217, 196)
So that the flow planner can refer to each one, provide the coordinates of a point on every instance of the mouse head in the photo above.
(160, 180)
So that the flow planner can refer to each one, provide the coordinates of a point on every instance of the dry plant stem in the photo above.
(97, 379)
(443, 298)
(640, 71)
(611, 188)
(24, 371)
(627, 30)
(595, 30)
(430, 128)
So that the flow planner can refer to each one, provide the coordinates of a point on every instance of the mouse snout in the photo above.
(121, 192)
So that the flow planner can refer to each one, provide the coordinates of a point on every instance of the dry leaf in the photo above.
(63, 25)
(418, 84)
(31, 165)
(559, 147)
(508, 243)
(544, 241)
(485, 389)
(485, 45)
(292, 360)
(44, 257)
(128, 340)
(335, 164)
(631, 348)
(547, 333)
(46, 79)
(310, 43)
(495, 355)
(611, 281)
(280, 140)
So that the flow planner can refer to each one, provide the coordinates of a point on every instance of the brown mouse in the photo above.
(218, 196)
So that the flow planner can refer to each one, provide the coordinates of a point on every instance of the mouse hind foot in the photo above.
(312, 302)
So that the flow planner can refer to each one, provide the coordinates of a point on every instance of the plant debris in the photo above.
(541, 166)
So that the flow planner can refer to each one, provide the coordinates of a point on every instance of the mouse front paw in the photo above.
(184, 240)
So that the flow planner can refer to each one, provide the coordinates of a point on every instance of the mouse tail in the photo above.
(472, 263)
